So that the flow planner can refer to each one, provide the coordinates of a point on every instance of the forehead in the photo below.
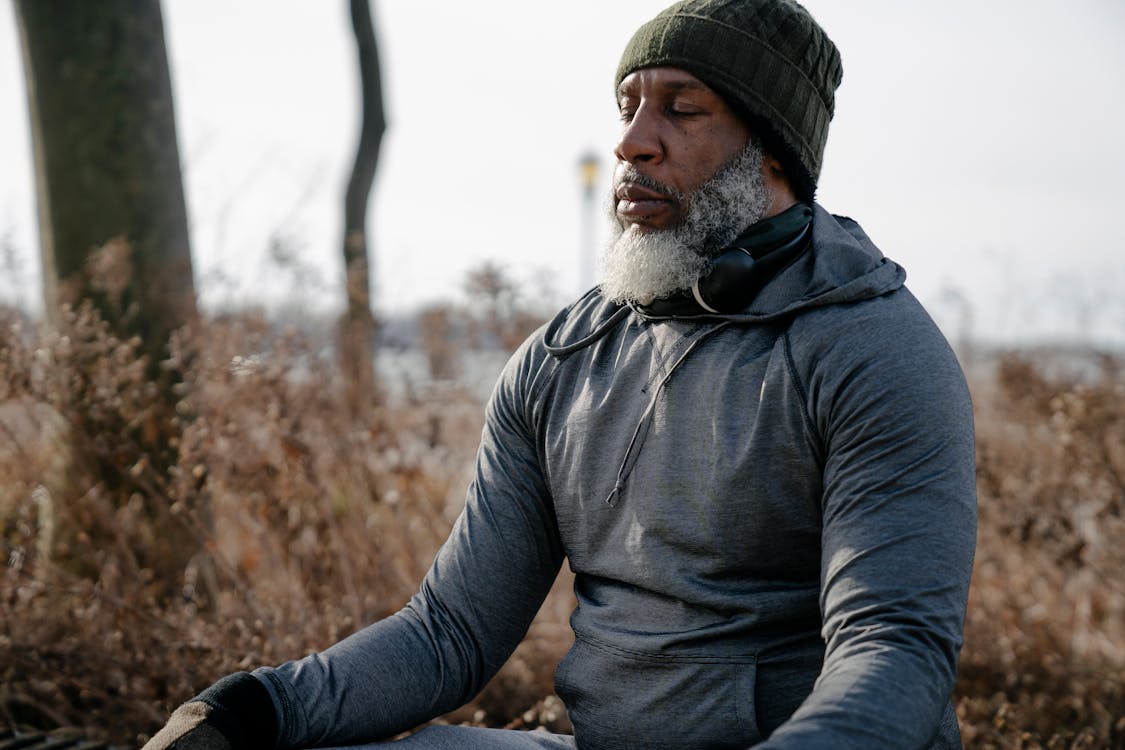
(664, 79)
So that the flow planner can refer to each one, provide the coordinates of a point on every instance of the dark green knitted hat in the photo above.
(768, 58)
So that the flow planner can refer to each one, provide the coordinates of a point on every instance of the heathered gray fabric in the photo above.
(786, 556)
(475, 738)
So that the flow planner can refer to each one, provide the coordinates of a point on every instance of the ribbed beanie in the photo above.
(768, 58)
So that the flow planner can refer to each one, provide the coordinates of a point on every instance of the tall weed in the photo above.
(304, 520)
(1044, 657)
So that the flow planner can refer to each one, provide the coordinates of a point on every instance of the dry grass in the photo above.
(306, 520)
(1044, 661)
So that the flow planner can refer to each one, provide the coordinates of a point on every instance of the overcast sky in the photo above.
(977, 141)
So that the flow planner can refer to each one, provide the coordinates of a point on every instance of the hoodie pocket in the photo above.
(624, 699)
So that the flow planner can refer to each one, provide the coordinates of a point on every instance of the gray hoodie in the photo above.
(771, 519)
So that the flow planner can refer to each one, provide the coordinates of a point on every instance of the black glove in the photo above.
(236, 713)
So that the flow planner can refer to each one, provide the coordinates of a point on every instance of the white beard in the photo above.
(640, 266)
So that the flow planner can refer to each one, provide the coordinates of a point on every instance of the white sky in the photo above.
(977, 141)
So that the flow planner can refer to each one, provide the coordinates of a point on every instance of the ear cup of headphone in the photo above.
(731, 283)
(738, 273)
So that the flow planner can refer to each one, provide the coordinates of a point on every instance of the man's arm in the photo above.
(473, 608)
(899, 531)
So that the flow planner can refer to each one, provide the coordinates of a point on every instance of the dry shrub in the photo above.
(1044, 661)
(436, 324)
(305, 518)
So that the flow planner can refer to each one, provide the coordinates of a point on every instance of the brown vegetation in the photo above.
(308, 520)
(1044, 660)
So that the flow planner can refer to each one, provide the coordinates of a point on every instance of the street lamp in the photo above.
(588, 166)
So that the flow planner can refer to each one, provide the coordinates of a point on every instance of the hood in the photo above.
(841, 265)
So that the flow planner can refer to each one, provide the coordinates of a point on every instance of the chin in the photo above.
(645, 226)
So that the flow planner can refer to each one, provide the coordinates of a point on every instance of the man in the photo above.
(750, 442)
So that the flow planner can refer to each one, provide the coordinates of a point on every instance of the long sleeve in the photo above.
(474, 606)
(890, 403)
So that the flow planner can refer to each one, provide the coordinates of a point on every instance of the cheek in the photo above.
(700, 170)
(699, 153)
(711, 161)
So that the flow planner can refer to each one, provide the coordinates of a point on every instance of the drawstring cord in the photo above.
(647, 418)
(599, 332)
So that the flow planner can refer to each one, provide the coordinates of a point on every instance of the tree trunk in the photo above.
(357, 329)
(107, 163)
(113, 231)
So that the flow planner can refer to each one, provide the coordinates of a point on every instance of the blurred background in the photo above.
(184, 496)
(978, 144)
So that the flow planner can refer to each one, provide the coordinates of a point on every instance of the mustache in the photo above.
(629, 173)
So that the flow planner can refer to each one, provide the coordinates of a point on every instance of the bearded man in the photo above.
(750, 442)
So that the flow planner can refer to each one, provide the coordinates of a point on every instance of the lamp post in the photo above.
(588, 170)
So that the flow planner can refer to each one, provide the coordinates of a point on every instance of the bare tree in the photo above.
(496, 308)
(113, 231)
(107, 163)
(357, 329)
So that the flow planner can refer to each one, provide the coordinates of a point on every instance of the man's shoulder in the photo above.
(885, 349)
(887, 327)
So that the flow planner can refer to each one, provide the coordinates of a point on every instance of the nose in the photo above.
(640, 139)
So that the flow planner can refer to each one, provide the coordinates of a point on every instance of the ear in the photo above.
(773, 167)
(777, 182)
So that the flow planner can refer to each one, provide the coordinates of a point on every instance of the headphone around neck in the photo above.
(739, 272)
